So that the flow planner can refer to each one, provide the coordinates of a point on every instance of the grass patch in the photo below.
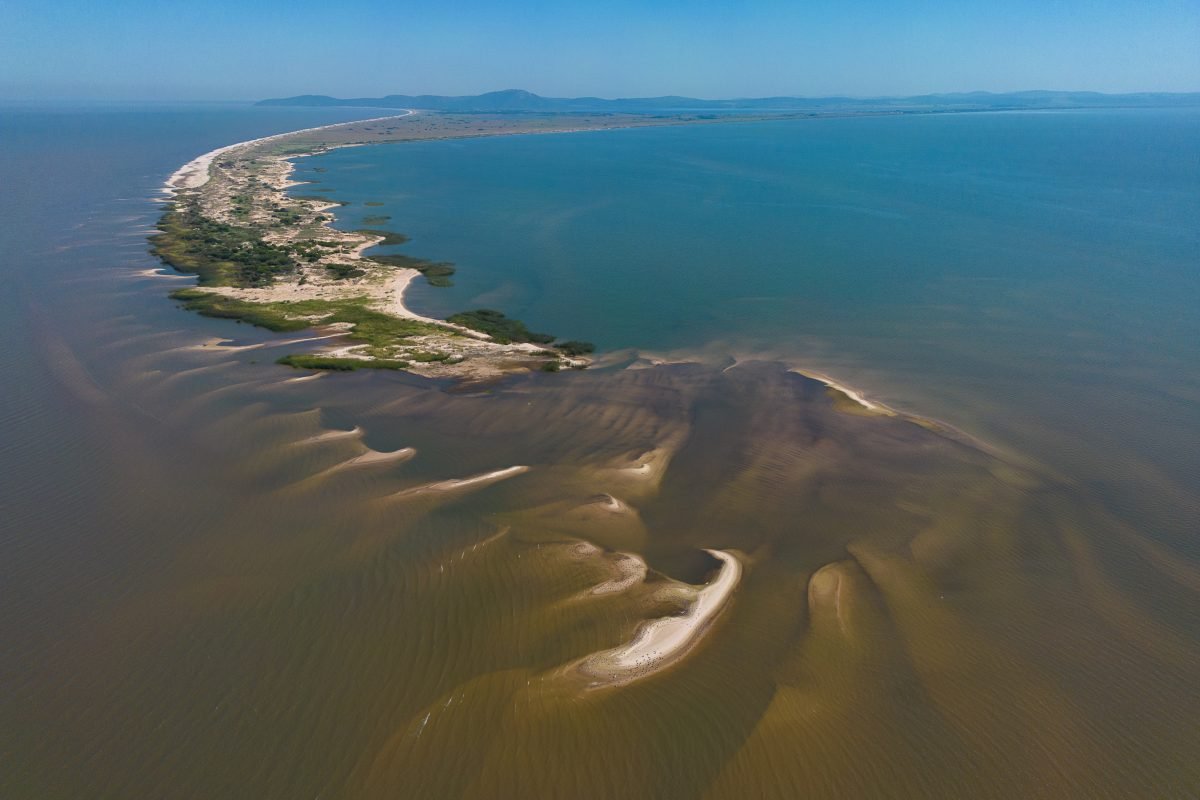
(264, 315)
(382, 332)
(306, 361)
(501, 328)
(376, 219)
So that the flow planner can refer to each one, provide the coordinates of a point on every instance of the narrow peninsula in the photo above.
(273, 259)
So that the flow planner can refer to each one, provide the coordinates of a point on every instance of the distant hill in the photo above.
(516, 100)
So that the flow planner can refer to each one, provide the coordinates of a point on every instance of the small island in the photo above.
(273, 260)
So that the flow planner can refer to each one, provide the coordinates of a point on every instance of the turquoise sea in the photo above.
(206, 591)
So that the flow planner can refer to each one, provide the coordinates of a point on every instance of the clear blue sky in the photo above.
(249, 49)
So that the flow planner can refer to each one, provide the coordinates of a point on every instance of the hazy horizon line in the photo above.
(150, 97)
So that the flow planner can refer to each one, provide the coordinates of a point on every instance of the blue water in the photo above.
(672, 237)
(1029, 277)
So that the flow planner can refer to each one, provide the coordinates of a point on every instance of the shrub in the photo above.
(501, 328)
(576, 348)
(309, 361)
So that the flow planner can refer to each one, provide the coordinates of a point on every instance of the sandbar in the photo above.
(663, 642)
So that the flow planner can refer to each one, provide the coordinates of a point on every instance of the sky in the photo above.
(252, 49)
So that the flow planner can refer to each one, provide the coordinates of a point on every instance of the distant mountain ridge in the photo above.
(520, 100)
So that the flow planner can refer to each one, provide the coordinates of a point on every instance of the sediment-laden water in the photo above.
(224, 578)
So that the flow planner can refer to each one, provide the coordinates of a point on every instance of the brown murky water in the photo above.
(916, 618)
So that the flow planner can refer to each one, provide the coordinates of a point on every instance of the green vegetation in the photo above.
(219, 254)
(236, 255)
(501, 328)
(382, 333)
(345, 271)
(376, 219)
(388, 236)
(436, 272)
(241, 205)
(309, 250)
(308, 361)
(264, 315)
(284, 216)
(576, 348)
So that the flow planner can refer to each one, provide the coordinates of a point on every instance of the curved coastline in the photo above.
(240, 192)
(194, 173)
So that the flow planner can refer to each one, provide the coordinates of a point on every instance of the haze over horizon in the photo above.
(221, 50)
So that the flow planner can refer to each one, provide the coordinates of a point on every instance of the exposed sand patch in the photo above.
(648, 465)
(160, 272)
(663, 642)
(224, 346)
(373, 457)
(631, 570)
(869, 406)
(328, 436)
(306, 378)
(455, 484)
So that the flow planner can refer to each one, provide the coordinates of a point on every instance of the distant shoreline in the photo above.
(521, 101)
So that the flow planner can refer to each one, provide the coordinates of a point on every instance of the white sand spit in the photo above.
(454, 484)
(664, 641)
